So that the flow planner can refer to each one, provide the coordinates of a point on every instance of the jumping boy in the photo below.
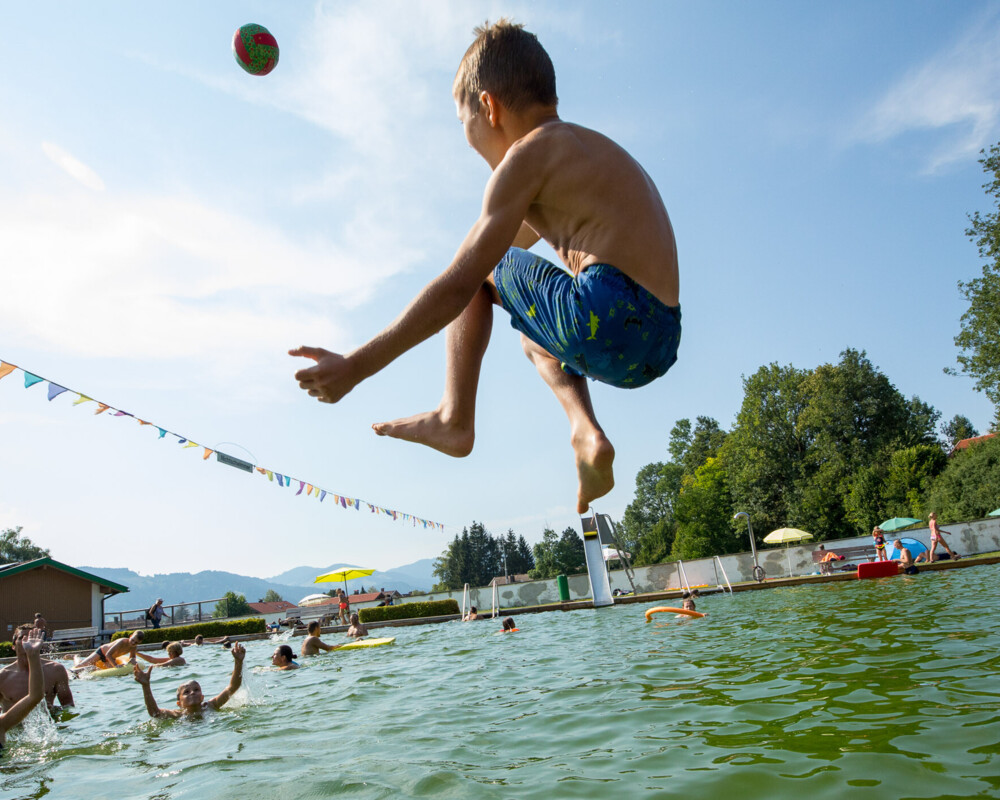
(613, 317)
(190, 699)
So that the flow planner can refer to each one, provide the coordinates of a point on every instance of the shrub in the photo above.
(433, 608)
(6, 649)
(232, 627)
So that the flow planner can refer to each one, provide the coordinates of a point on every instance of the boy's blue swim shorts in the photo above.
(600, 323)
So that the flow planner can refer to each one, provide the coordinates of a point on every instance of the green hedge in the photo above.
(6, 649)
(233, 627)
(434, 608)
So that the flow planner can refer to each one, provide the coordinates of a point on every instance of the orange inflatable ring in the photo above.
(666, 610)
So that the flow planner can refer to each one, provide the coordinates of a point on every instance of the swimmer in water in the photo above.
(32, 647)
(190, 700)
(313, 644)
(283, 657)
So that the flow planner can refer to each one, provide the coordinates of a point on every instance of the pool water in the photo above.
(867, 689)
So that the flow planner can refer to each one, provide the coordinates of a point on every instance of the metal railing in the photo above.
(173, 614)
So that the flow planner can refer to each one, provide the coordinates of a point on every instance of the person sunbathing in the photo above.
(190, 700)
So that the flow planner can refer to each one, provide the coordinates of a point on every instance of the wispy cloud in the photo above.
(957, 92)
(73, 167)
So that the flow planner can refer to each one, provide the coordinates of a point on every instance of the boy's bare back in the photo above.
(596, 205)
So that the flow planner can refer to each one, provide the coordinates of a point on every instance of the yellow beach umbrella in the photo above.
(787, 536)
(344, 574)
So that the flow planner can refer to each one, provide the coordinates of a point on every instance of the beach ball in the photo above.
(255, 49)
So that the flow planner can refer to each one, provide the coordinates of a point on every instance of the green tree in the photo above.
(232, 605)
(545, 556)
(969, 487)
(957, 428)
(765, 452)
(271, 596)
(15, 548)
(704, 511)
(979, 339)
(853, 417)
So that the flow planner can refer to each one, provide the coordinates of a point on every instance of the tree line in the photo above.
(476, 557)
(833, 450)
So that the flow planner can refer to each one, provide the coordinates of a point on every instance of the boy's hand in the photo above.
(330, 379)
(32, 643)
(238, 652)
(140, 676)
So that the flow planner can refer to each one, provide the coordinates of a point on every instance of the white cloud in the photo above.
(957, 90)
(73, 167)
(167, 277)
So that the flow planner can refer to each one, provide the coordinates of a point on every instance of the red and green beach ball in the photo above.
(256, 50)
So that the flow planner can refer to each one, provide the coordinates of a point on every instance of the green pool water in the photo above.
(868, 689)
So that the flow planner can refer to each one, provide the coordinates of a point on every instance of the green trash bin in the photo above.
(563, 583)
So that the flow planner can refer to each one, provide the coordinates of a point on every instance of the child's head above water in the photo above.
(314, 628)
(508, 624)
(509, 63)
(189, 695)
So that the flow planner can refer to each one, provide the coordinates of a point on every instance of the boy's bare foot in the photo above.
(430, 429)
(595, 458)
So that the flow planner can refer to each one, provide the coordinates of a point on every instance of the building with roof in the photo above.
(275, 607)
(962, 444)
(67, 597)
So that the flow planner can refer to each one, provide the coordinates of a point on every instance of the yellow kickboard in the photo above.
(121, 669)
(367, 643)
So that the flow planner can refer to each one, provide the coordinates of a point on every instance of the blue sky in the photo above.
(170, 226)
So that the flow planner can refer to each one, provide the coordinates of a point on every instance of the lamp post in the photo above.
(758, 570)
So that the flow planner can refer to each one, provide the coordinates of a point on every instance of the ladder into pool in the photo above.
(717, 564)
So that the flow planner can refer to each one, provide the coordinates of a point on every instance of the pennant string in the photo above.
(55, 389)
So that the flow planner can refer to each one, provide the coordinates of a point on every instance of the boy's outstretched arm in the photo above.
(509, 193)
(36, 683)
(142, 678)
(234, 682)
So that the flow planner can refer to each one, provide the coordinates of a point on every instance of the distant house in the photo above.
(65, 596)
(962, 444)
(276, 607)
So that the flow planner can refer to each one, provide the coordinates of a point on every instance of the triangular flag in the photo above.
(191, 444)
(322, 495)
(82, 399)
(6, 369)
(101, 408)
(207, 454)
(31, 380)
(163, 432)
(270, 475)
(55, 390)
(301, 487)
(143, 422)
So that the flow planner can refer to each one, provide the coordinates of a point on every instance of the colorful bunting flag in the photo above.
(55, 389)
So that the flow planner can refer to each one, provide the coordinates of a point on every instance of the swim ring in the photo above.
(666, 610)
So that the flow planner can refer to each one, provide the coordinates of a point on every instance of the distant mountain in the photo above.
(292, 585)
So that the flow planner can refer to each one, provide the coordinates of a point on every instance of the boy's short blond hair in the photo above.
(508, 62)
